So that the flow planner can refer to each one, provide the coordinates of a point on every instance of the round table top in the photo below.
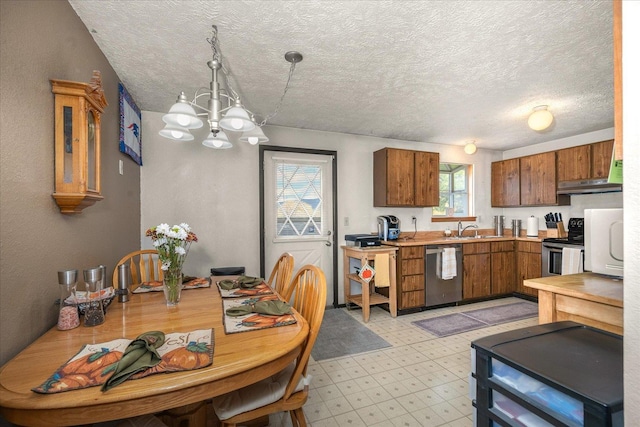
(239, 359)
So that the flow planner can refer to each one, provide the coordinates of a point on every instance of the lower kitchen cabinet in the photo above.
(529, 265)
(489, 269)
(503, 261)
(411, 283)
(476, 263)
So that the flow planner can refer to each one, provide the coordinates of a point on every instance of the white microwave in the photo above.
(603, 241)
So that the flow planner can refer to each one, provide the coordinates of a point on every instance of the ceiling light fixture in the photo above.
(470, 148)
(541, 118)
(182, 116)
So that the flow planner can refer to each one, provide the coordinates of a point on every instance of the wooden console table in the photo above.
(587, 298)
(368, 297)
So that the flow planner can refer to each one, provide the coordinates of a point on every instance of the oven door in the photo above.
(551, 260)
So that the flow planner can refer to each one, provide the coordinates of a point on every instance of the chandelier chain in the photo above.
(217, 56)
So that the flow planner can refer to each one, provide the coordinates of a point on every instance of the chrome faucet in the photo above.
(462, 230)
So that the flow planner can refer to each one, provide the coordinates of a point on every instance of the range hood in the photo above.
(588, 186)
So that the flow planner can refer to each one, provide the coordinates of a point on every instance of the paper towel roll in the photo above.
(532, 226)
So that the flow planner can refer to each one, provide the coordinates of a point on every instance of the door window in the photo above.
(298, 200)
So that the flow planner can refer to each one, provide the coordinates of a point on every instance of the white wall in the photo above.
(216, 191)
(631, 138)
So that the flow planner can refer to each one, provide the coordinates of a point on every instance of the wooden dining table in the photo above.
(239, 359)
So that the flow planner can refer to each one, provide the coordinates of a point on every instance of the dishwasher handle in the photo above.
(439, 250)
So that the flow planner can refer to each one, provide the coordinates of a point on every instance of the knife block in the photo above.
(558, 231)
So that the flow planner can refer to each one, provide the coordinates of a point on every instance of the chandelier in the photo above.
(182, 117)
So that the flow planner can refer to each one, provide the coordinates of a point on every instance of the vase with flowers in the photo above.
(172, 244)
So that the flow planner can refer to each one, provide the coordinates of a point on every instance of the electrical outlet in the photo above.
(413, 220)
(346, 221)
(121, 167)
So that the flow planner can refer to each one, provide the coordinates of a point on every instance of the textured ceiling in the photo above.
(433, 71)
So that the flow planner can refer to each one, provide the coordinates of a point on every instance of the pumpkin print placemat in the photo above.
(94, 363)
(253, 321)
(261, 289)
(187, 283)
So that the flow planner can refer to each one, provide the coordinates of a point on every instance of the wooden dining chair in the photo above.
(145, 266)
(281, 274)
(288, 389)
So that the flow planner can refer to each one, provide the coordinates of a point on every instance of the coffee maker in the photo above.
(388, 227)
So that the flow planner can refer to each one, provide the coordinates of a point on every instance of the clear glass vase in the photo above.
(172, 287)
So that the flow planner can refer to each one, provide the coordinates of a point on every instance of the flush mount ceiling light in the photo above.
(182, 117)
(541, 118)
(470, 148)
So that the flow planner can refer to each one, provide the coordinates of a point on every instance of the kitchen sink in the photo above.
(460, 238)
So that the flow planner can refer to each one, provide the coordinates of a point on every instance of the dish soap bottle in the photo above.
(68, 317)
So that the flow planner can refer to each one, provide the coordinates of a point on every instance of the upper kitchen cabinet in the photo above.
(538, 181)
(405, 178)
(574, 163)
(601, 153)
(505, 183)
(585, 161)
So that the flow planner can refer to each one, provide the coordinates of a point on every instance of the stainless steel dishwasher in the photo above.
(438, 290)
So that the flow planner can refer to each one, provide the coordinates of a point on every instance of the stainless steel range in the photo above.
(552, 247)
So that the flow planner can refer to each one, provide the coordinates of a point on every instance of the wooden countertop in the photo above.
(588, 286)
(422, 241)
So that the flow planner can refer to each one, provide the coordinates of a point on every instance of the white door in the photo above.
(298, 211)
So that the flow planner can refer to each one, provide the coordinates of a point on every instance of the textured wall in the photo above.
(42, 40)
(216, 191)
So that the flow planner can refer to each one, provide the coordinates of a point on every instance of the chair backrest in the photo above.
(308, 293)
(281, 274)
(145, 266)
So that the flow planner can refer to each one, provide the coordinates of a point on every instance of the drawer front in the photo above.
(502, 246)
(407, 252)
(476, 248)
(411, 266)
(531, 247)
(412, 283)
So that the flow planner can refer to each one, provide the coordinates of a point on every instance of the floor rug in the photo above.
(451, 324)
(342, 335)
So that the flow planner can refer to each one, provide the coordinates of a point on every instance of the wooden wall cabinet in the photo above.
(601, 153)
(585, 161)
(505, 183)
(411, 284)
(405, 178)
(78, 107)
(538, 181)
(529, 265)
(574, 163)
(503, 261)
(476, 261)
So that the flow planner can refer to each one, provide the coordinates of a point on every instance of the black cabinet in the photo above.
(557, 374)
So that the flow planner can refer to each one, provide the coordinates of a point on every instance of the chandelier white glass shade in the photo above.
(219, 141)
(255, 136)
(540, 119)
(182, 117)
(470, 148)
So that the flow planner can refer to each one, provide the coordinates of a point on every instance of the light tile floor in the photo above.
(422, 380)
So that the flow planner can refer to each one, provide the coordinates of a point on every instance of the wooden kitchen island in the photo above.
(588, 298)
